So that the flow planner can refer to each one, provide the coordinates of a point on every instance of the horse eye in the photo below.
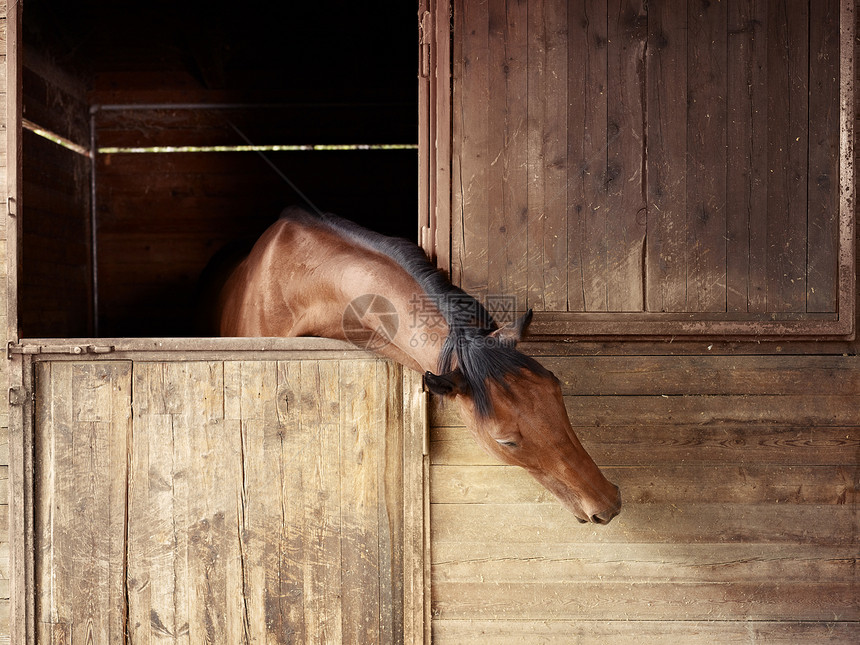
(509, 444)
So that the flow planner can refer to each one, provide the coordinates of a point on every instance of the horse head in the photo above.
(515, 410)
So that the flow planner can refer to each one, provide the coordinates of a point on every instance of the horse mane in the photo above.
(479, 356)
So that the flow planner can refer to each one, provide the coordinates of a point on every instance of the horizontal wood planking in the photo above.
(691, 521)
(740, 492)
(633, 562)
(749, 483)
(626, 445)
(594, 411)
(643, 632)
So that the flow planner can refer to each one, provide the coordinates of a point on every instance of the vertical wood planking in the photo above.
(788, 113)
(665, 253)
(470, 221)
(264, 502)
(360, 498)
(746, 162)
(823, 173)
(706, 158)
(320, 411)
(626, 217)
(547, 156)
(587, 149)
(82, 427)
(508, 171)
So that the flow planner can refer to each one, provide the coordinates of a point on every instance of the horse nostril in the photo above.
(596, 519)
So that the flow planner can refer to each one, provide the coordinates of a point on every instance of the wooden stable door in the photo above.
(663, 167)
(225, 502)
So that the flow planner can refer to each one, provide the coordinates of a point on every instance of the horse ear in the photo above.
(512, 333)
(451, 383)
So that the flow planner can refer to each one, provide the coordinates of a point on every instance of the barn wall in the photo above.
(739, 479)
(676, 160)
(738, 465)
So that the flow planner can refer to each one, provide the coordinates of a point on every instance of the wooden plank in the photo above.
(651, 601)
(470, 236)
(547, 156)
(320, 412)
(706, 157)
(680, 523)
(822, 271)
(683, 444)
(586, 631)
(416, 516)
(441, 83)
(635, 563)
(206, 452)
(360, 500)
(746, 143)
(587, 156)
(711, 375)
(727, 483)
(508, 167)
(625, 230)
(761, 410)
(83, 425)
(665, 254)
(788, 114)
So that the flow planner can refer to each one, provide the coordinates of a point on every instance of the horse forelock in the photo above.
(469, 345)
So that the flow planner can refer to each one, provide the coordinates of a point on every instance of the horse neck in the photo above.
(421, 329)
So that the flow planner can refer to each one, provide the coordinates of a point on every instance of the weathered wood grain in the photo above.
(81, 495)
(788, 149)
(729, 484)
(588, 631)
(746, 156)
(587, 156)
(592, 411)
(695, 520)
(684, 444)
(575, 562)
(651, 601)
(626, 108)
(665, 252)
(240, 499)
(706, 157)
(547, 156)
(822, 212)
(508, 174)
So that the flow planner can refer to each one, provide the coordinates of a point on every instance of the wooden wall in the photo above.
(739, 477)
(632, 156)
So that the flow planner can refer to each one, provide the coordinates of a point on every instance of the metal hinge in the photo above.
(32, 348)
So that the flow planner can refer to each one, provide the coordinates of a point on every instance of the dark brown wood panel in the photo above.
(701, 169)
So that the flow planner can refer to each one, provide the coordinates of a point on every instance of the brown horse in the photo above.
(323, 276)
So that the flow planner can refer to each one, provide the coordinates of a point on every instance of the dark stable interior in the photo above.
(157, 74)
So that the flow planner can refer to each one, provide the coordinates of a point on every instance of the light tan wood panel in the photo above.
(246, 501)
(642, 632)
(82, 447)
